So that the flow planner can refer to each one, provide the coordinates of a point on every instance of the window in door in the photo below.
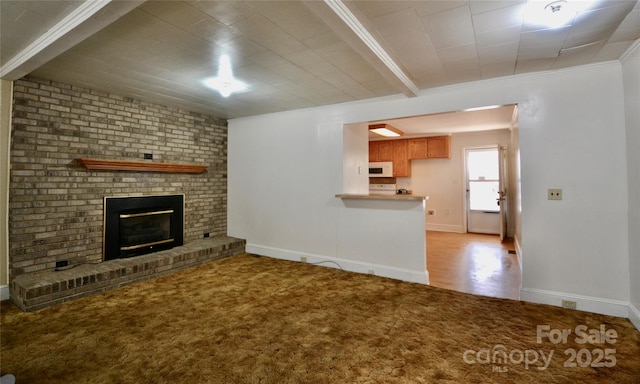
(483, 178)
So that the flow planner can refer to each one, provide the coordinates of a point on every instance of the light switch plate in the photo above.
(554, 194)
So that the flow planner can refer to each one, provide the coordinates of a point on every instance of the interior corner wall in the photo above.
(571, 136)
(5, 139)
(515, 192)
(631, 81)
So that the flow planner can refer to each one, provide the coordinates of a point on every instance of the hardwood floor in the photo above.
(473, 263)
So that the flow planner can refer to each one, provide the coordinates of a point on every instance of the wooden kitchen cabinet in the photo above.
(401, 164)
(418, 148)
(381, 150)
(396, 151)
(434, 147)
(439, 147)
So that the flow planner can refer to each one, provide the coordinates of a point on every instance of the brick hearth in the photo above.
(39, 290)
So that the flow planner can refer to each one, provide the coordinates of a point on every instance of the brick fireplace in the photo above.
(56, 208)
(143, 224)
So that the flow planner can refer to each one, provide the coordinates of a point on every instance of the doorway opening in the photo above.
(444, 180)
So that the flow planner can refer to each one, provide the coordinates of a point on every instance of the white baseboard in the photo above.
(634, 316)
(4, 292)
(445, 228)
(421, 277)
(583, 303)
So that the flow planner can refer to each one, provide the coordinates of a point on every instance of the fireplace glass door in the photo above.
(139, 230)
(142, 224)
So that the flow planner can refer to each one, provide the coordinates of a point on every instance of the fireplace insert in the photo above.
(142, 224)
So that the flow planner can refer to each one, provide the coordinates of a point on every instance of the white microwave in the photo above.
(381, 169)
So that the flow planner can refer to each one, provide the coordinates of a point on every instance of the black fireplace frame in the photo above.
(114, 206)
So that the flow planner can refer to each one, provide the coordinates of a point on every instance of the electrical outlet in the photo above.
(303, 259)
(148, 156)
(554, 194)
(568, 304)
(431, 212)
(62, 263)
(371, 272)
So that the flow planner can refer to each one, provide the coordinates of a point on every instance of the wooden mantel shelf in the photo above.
(145, 166)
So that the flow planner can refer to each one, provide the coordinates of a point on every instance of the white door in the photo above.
(483, 187)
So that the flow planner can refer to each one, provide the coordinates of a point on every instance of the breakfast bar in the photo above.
(372, 196)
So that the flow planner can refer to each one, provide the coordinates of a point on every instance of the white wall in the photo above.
(515, 187)
(285, 168)
(284, 172)
(6, 98)
(443, 180)
(631, 76)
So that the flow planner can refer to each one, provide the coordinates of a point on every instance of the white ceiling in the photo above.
(297, 54)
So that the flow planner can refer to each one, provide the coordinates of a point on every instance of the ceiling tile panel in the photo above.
(542, 44)
(482, 6)
(450, 28)
(212, 31)
(499, 19)
(258, 28)
(599, 20)
(22, 22)
(611, 51)
(492, 70)
(499, 37)
(374, 9)
(424, 8)
(241, 47)
(574, 56)
(576, 39)
(177, 13)
(226, 12)
(403, 22)
(292, 17)
(498, 53)
(629, 29)
(533, 65)
(460, 53)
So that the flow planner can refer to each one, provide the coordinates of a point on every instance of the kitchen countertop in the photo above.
(381, 197)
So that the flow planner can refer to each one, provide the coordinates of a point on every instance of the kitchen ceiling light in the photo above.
(225, 83)
(385, 130)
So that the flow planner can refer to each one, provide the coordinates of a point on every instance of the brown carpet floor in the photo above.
(259, 320)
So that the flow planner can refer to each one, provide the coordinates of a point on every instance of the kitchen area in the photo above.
(390, 159)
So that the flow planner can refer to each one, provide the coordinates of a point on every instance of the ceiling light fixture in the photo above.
(481, 108)
(385, 130)
(555, 14)
(555, 6)
(225, 83)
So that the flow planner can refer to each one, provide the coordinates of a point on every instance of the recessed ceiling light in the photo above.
(225, 83)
